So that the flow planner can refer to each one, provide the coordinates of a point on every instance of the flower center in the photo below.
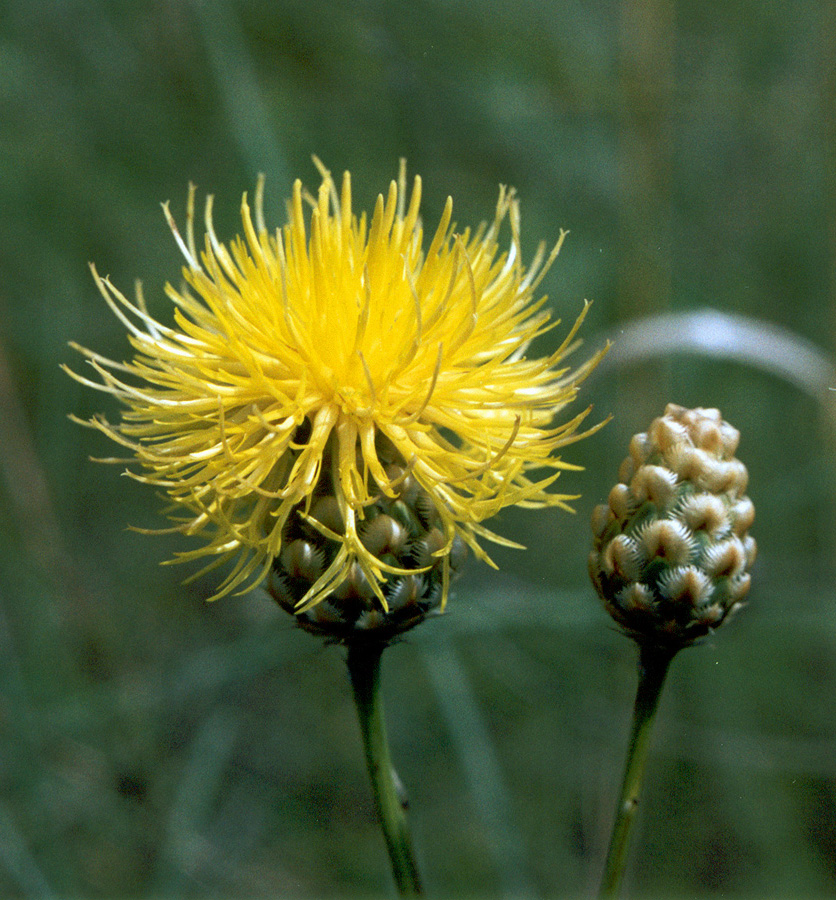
(351, 401)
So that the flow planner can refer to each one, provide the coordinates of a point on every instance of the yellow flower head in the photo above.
(338, 349)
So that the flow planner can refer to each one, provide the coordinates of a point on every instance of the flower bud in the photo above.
(671, 550)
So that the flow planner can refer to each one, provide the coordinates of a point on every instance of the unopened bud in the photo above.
(671, 550)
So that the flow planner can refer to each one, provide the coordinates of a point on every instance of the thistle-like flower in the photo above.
(671, 551)
(337, 409)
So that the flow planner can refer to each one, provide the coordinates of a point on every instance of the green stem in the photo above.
(653, 667)
(364, 669)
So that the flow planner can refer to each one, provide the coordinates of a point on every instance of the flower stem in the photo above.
(364, 668)
(653, 667)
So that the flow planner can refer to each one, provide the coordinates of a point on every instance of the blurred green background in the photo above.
(152, 745)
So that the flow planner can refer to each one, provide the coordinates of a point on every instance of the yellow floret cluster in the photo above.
(339, 357)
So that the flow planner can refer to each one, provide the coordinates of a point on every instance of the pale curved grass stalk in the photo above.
(720, 335)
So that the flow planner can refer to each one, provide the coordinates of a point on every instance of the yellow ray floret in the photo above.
(303, 348)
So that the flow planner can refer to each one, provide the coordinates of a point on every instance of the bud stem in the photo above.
(364, 668)
(653, 667)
